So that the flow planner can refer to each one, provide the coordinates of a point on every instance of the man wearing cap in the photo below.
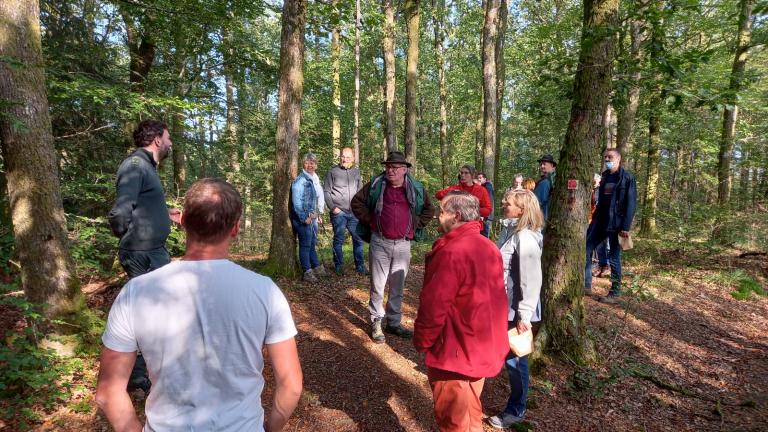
(392, 209)
(543, 188)
(307, 203)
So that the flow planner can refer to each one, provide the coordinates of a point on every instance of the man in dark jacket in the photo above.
(139, 216)
(543, 189)
(488, 221)
(616, 204)
(461, 325)
(342, 183)
(393, 209)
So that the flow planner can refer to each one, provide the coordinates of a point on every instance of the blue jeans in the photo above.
(486, 228)
(307, 235)
(602, 254)
(596, 235)
(517, 369)
(342, 222)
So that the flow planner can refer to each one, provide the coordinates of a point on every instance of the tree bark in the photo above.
(411, 79)
(438, 18)
(336, 79)
(731, 111)
(179, 152)
(141, 51)
(390, 111)
(39, 223)
(356, 114)
(282, 248)
(564, 330)
(490, 29)
(501, 81)
(230, 127)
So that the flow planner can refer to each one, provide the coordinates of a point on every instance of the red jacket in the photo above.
(462, 318)
(477, 190)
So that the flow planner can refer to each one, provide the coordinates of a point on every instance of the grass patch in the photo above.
(744, 286)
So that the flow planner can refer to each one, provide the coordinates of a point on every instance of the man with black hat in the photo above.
(392, 209)
(543, 187)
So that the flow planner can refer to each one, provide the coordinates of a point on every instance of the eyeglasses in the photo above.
(394, 167)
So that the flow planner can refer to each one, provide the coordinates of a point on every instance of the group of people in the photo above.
(194, 329)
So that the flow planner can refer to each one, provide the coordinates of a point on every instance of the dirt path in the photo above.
(687, 356)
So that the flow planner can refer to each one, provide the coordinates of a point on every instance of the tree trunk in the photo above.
(501, 81)
(731, 111)
(390, 111)
(490, 28)
(230, 127)
(438, 17)
(356, 114)
(179, 153)
(564, 331)
(336, 80)
(141, 50)
(655, 106)
(744, 178)
(628, 113)
(282, 247)
(411, 79)
(39, 223)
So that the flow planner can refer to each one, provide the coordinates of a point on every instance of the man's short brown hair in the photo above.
(212, 207)
(147, 131)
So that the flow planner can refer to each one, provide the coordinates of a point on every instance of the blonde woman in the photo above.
(520, 243)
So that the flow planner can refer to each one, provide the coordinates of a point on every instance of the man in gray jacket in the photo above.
(342, 183)
(140, 217)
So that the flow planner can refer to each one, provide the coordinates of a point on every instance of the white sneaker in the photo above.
(504, 420)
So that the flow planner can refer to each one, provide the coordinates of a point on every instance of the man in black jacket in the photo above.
(616, 204)
(139, 216)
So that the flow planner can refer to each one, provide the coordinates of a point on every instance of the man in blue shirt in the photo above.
(543, 189)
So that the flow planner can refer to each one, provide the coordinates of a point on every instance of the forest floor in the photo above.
(680, 354)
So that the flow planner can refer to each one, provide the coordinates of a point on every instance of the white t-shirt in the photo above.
(201, 327)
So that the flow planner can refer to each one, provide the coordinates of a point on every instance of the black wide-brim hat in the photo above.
(396, 157)
(547, 158)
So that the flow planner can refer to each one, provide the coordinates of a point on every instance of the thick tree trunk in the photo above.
(501, 81)
(438, 18)
(628, 113)
(282, 247)
(731, 112)
(564, 330)
(356, 114)
(39, 223)
(490, 29)
(390, 110)
(336, 79)
(411, 79)
(141, 50)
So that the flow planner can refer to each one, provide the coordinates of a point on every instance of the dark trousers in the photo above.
(137, 263)
(595, 235)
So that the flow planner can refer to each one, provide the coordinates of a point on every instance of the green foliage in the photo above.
(30, 376)
(6, 249)
(745, 285)
(93, 245)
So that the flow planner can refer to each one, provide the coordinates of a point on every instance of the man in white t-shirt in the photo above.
(201, 324)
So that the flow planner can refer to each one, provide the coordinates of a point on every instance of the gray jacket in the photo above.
(340, 186)
(139, 216)
(521, 253)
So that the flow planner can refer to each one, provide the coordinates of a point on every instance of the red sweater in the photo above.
(462, 320)
(477, 190)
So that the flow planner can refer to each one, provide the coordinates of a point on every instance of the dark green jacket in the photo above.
(366, 200)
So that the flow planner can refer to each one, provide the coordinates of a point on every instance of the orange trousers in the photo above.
(457, 401)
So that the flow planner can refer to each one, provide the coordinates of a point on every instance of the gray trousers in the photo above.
(390, 260)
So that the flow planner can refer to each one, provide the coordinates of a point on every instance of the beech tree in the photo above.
(282, 246)
(564, 329)
(39, 223)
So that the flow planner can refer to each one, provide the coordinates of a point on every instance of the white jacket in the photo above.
(521, 254)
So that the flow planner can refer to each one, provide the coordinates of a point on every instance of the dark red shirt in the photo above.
(395, 219)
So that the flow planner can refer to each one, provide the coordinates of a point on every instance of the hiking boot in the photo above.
(399, 331)
(320, 271)
(610, 299)
(309, 276)
(504, 420)
(376, 334)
